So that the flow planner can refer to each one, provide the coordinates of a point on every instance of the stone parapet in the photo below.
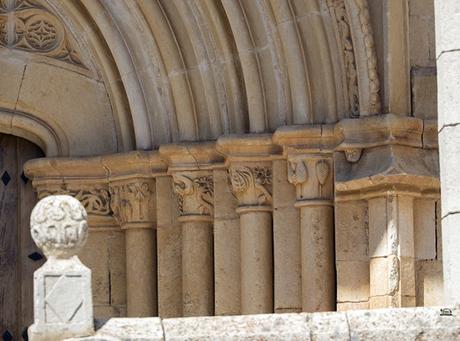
(379, 324)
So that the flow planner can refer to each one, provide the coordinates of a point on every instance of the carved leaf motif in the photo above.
(241, 179)
(297, 172)
(322, 171)
(250, 183)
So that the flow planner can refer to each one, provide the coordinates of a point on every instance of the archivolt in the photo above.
(51, 140)
(194, 70)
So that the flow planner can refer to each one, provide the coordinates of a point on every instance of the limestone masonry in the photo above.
(229, 169)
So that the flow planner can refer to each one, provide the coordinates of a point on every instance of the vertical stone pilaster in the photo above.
(169, 244)
(133, 205)
(251, 184)
(312, 177)
(195, 193)
(448, 75)
(227, 276)
(286, 243)
(391, 251)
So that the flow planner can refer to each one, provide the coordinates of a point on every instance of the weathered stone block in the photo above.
(448, 66)
(351, 231)
(352, 281)
(450, 228)
(449, 146)
(447, 28)
(430, 284)
(328, 326)
(425, 229)
(424, 93)
(271, 327)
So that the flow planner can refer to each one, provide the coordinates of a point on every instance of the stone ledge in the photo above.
(380, 324)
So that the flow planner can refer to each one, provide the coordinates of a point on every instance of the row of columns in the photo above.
(134, 205)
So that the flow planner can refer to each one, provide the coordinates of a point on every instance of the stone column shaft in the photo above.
(257, 259)
(133, 204)
(194, 190)
(317, 256)
(312, 178)
(251, 185)
(140, 272)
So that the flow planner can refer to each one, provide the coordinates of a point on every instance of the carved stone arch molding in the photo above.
(51, 140)
(59, 71)
(168, 71)
(356, 40)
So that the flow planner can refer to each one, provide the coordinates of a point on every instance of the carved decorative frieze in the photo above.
(374, 82)
(96, 201)
(195, 192)
(251, 185)
(343, 24)
(29, 26)
(132, 202)
(339, 9)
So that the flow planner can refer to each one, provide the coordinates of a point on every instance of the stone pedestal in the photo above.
(63, 305)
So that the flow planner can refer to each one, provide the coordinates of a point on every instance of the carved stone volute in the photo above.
(251, 185)
(195, 192)
(59, 226)
(132, 202)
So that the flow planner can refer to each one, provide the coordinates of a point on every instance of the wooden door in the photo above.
(19, 257)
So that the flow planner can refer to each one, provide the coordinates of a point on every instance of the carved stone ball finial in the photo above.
(59, 226)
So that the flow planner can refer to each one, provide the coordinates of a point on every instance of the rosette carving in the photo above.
(194, 193)
(132, 202)
(28, 25)
(251, 185)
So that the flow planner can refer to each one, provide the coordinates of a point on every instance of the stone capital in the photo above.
(133, 202)
(251, 183)
(195, 194)
(312, 177)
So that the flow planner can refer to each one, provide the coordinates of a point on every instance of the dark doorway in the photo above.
(19, 257)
